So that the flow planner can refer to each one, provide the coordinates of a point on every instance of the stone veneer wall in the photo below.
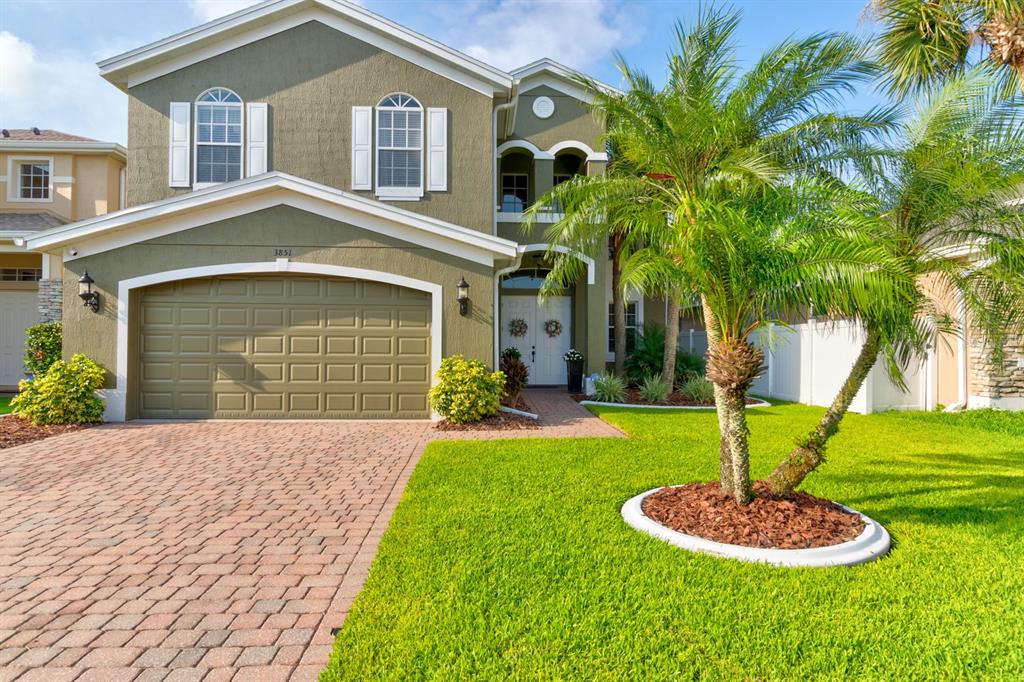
(51, 300)
(992, 380)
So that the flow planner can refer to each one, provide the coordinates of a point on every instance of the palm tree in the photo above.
(925, 41)
(945, 190)
(709, 137)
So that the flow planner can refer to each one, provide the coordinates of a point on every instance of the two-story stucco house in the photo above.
(308, 184)
(47, 178)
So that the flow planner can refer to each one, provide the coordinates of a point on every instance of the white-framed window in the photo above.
(632, 325)
(218, 139)
(30, 179)
(515, 192)
(399, 147)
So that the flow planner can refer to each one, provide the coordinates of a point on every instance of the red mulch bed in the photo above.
(16, 431)
(675, 398)
(503, 421)
(796, 521)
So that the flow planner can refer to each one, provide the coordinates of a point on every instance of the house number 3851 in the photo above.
(282, 253)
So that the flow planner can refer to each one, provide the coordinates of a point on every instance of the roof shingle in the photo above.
(25, 134)
(28, 222)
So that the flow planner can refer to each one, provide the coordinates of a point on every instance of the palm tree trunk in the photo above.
(810, 453)
(733, 366)
(724, 453)
(668, 367)
(733, 411)
(618, 308)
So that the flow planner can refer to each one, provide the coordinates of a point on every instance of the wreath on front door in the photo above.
(518, 327)
(553, 328)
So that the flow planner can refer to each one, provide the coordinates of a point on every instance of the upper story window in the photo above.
(515, 192)
(399, 147)
(31, 179)
(218, 137)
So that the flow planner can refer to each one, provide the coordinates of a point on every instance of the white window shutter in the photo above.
(437, 149)
(256, 138)
(362, 147)
(180, 144)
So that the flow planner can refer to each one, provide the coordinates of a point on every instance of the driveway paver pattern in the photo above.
(202, 550)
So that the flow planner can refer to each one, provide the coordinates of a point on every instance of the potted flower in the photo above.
(574, 367)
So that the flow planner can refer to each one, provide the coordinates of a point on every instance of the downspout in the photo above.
(961, 346)
(513, 99)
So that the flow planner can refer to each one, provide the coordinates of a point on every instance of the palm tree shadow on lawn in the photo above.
(992, 498)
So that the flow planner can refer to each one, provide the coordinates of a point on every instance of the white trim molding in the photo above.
(1013, 403)
(14, 179)
(529, 248)
(578, 146)
(73, 146)
(522, 145)
(565, 79)
(241, 197)
(117, 397)
(537, 153)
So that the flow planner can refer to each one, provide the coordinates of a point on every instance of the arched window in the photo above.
(218, 137)
(399, 147)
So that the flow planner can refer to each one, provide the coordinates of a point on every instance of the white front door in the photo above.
(18, 310)
(541, 352)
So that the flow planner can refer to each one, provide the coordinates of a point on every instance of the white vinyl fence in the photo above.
(808, 363)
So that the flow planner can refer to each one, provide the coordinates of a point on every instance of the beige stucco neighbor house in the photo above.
(47, 179)
(307, 185)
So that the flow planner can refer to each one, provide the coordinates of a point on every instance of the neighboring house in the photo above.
(308, 183)
(47, 179)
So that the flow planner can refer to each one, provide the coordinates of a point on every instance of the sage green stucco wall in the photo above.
(572, 120)
(311, 76)
(254, 238)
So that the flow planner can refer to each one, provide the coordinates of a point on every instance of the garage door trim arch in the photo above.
(117, 398)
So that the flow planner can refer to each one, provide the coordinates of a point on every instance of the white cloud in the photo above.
(513, 33)
(208, 10)
(60, 91)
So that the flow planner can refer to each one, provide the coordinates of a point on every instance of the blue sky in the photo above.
(48, 48)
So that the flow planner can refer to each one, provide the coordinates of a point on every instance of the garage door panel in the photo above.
(284, 346)
(268, 317)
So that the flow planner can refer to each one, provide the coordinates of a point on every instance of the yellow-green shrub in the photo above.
(466, 390)
(66, 394)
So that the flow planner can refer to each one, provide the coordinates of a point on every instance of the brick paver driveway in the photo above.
(203, 550)
(191, 551)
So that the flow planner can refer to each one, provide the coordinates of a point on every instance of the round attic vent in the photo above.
(543, 107)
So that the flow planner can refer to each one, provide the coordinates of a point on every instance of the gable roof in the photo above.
(241, 197)
(563, 78)
(273, 16)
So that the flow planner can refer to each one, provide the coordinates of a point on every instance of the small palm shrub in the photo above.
(42, 346)
(609, 388)
(653, 389)
(516, 376)
(648, 356)
(65, 394)
(698, 389)
(466, 390)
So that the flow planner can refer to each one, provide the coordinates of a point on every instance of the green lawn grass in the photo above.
(5, 404)
(509, 560)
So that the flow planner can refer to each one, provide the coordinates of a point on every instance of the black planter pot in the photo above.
(575, 371)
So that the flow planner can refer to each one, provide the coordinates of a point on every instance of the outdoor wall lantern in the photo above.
(90, 298)
(462, 295)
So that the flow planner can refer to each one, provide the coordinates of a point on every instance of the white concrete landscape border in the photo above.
(872, 543)
(758, 403)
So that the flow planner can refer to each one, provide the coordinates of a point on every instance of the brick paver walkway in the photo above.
(202, 550)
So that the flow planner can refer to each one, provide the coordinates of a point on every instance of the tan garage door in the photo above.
(283, 347)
